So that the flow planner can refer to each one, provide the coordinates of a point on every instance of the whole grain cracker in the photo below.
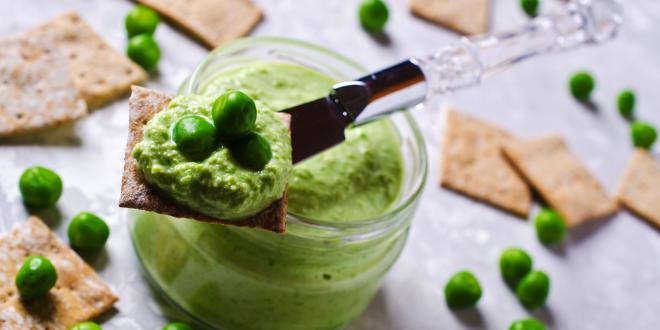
(213, 22)
(464, 16)
(639, 188)
(561, 179)
(36, 91)
(79, 293)
(136, 192)
(472, 163)
(100, 73)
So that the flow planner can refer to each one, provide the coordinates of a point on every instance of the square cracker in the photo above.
(213, 22)
(79, 293)
(100, 73)
(639, 189)
(561, 179)
(35, 89)
(464, 16)
(136, 192)
(472, 163)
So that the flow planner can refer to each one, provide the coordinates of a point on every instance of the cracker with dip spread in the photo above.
(36, 91)
(99, 72)
(213, 22)
(137, 194)
(464, 16)
(472, 163)
(639, 189)
(562, 180)
(78, 295)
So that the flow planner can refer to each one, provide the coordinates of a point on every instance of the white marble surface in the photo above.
(606, 276)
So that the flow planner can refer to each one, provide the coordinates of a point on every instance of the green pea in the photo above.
(88, 325)
(40, 187)
(36, 277)
(462, 290)
(527, 324)
(515, 263)
(252, 151)
(176, 326)
(582, 84)
(87, 232)
(144, 50)
(626, 103)
(141, 20)
(234, 114)
(533, 289)
(531, 7)
(373, 15)
(550, 227)
(194, 135)
(643, 134)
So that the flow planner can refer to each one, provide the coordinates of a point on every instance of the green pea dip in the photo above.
(253, 279)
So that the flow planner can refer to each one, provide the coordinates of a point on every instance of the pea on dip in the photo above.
(238, 278)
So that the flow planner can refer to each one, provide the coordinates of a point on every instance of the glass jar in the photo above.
(319, 274)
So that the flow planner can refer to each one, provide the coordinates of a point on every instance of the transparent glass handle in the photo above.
(469, 60)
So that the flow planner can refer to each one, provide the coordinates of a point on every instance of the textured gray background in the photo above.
(606, 276)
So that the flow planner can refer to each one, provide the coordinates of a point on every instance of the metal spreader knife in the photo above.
(320, 124)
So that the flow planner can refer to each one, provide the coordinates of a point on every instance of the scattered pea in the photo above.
(531, 7)
(462, 290)
(533, 289)
(527, 324)
(40, 187)
(643, 134)
(87, 232)
(88, 325)
(144, 50)
(373, 15)
(515, 263)
(176, 326)
(141, 20)
(36, 277)
(626, 103)
(234, 114)
(194, 135)
(252, 151)
(582, 85)
(550, 227)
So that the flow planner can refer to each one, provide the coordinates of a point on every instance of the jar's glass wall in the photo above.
(316, 276)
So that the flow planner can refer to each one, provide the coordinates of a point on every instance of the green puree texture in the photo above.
(358, 179)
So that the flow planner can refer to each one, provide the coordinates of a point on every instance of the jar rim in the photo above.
(369, 225)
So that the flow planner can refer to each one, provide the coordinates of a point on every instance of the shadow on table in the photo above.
(62, 136)
(544, 314)
(471, 318)
(579, 235)
(51, 216)
(375, 317)
(97, 259)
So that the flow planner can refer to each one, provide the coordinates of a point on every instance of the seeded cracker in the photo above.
(100, 73)
(639, 189)
(561, 179)
(464, 16)
(213, 22)
(79, 294)
(35, 89)
(472, 163)
(137, 194)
